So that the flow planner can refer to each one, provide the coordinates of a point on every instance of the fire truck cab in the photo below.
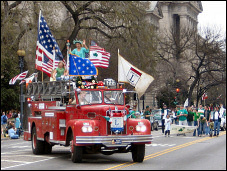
(96, 120)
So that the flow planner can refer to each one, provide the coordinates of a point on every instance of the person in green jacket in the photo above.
(190, 116)
(182, 115)
(147, 113)
(132, 113)
(202, 122)
(195, 118)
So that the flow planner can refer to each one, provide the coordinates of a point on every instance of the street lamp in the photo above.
(21, 54)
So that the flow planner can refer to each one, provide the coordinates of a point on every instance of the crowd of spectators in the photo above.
(207, 118)
(11, 125)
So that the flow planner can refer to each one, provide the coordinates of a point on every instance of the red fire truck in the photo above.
(97, 120)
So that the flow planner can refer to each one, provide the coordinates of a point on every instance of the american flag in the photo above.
(30, 78)
(98, 56)
(48, 53)
(21, 76)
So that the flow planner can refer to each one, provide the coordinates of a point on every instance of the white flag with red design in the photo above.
(204, 96)
(130, 74)
(18, 77)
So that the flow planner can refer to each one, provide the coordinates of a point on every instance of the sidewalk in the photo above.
(8, 138)
(4, 138)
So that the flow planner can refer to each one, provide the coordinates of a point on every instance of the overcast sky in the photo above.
(214, 14)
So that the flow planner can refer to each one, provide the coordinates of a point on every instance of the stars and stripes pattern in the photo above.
(21, 76)
(80, 66)
(30, 78)
(98, 56)
(48, 53)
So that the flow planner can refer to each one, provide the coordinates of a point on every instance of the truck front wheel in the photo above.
(76, 152)
(37, 145)
(138, 152)
(47, 148)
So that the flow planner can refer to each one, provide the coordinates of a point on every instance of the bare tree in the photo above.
(110, 18)
(199, 62)
(208, 64)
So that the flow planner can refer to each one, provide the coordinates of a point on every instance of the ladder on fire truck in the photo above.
(49, 89)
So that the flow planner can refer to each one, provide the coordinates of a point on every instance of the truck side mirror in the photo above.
(78, 91)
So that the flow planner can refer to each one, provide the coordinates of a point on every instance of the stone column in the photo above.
(183, 21)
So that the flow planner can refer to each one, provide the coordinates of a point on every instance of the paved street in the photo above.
(165, 153)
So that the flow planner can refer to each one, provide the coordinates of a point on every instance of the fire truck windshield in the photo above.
(114, 97)
(90, 97)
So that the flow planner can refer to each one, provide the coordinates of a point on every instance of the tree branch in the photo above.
(103, 22)
(68, 7)
(13, 5)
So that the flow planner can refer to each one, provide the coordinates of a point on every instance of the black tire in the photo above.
(77, 154)
(47, 148)
(138, 152)
(152, 127)
(37, 145)
(156, 127)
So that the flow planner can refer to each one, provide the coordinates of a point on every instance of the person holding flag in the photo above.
(79, 50)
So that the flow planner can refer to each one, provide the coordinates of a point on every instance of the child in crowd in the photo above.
(167, 125)
(211, 128)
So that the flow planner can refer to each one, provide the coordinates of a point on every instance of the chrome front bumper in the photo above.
(114, 141)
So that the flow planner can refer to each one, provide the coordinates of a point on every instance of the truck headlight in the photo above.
(141, 128)
(86, 129)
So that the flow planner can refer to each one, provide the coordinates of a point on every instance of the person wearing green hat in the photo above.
(79, 50)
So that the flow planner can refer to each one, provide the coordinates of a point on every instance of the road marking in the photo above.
(161, 145)
(15, 161)
(127, 164)
(27, 163)
(39, 156)
(20, 146)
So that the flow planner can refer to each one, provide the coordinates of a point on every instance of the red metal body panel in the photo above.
(56, 121)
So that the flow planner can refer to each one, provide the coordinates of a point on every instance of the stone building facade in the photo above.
(165, 15)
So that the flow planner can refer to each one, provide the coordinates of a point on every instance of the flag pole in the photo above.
(118, 66)
(67, 44)
(89, 45)
(67, 66)
(42, 76)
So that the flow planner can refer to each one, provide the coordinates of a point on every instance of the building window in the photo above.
(176, 23)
